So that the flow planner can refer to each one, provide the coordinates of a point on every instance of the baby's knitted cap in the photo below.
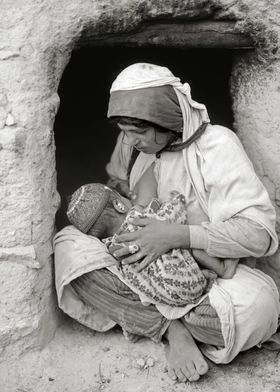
(86, 205)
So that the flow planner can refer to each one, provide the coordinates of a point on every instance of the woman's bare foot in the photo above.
(185, 361)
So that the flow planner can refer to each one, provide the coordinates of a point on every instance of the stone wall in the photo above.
(37, 37)
(255, 88)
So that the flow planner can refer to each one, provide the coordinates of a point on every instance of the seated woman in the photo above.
(229, 216)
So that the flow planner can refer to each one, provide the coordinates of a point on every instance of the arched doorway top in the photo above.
(173, 33)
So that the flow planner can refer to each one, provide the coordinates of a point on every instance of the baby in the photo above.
(174, 278)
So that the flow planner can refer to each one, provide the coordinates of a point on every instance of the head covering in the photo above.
(158, 105)
(147, 76)
(86, 205)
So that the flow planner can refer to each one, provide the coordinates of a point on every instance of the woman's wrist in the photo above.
(180, 236)
(198, 237)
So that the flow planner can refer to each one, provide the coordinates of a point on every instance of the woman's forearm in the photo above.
(235, 238)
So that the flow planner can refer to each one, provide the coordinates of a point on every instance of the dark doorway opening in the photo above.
(85, 139)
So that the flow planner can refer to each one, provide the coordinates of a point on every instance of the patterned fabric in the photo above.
(102, 290)
(174, 278)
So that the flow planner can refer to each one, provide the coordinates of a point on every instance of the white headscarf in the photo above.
(144, 75)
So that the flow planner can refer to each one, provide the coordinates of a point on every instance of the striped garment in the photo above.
(103, 291)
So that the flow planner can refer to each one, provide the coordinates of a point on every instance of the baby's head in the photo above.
(97, 210)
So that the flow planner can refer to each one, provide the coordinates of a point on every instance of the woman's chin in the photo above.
(146, 150)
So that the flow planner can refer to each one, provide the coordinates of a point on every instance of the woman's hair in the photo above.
(144, 124)
(138, 123)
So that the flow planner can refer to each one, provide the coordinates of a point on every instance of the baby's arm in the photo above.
(224, 268)
(146, 188)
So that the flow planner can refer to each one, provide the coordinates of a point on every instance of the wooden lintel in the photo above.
(200, 34)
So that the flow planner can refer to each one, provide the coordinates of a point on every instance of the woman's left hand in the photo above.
(154, 239)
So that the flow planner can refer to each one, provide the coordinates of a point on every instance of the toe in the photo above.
(202, 368)
(194, 377)
(171, 374)
(193, 374)
(181, 376)
(186, 372)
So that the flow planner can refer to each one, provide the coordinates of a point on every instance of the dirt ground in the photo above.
(79, 360)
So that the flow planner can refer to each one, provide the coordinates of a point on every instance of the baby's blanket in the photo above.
(174, 278)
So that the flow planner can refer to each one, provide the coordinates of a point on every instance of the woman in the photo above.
(230, 216)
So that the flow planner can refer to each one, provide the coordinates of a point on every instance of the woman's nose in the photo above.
(132, 140)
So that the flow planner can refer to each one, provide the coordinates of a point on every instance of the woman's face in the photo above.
(145, 139)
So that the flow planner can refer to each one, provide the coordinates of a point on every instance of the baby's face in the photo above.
(121, 205)
(115, 224)
(126, 202)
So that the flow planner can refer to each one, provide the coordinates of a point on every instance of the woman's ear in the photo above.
(120, 206)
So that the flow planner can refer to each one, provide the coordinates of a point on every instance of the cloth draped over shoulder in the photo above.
(221, 174)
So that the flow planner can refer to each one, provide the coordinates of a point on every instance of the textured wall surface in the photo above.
(255, 88)
(37, 37)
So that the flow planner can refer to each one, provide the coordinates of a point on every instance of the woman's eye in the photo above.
(140, 131)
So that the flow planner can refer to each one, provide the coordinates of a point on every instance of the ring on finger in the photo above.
(133, 248)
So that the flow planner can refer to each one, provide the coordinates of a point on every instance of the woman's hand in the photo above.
(153, 239)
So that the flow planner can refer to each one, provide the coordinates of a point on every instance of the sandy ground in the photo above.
(79, 360)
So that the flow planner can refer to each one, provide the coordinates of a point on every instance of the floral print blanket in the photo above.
(174, 278)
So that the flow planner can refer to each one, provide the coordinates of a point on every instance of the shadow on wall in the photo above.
(84, 137)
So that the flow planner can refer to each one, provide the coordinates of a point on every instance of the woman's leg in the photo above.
(185, 359)
(105, 292)
(204, 324)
